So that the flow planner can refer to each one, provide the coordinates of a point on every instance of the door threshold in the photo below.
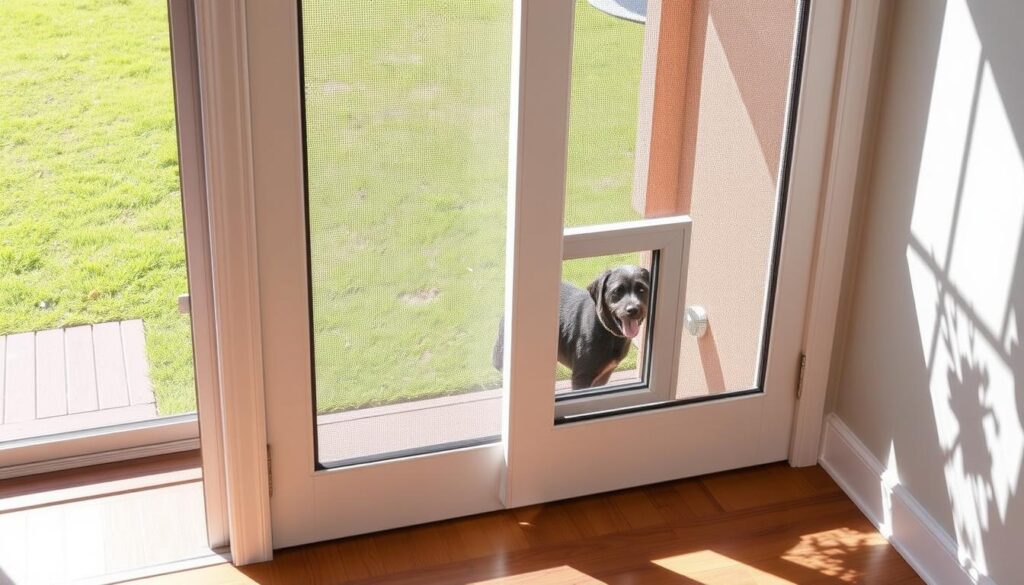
(102, 480)
(88, 447)
(215, 557)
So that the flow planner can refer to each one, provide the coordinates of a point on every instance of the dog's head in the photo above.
(622, 296)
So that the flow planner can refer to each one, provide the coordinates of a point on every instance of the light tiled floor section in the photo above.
(86, 539)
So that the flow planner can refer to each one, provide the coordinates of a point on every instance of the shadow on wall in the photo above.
(942, 270)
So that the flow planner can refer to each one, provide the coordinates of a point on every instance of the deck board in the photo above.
(111, 380)
(81, 370)
(95, 419)
(140, 390)
(20, 385)
(63, 380)
(51, 389)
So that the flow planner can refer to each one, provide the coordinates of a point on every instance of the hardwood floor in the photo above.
(769, 524)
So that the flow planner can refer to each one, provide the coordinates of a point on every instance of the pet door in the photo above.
(647, 372)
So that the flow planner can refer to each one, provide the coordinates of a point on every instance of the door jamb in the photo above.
(222, 55)
(839, 194)
(185, 70)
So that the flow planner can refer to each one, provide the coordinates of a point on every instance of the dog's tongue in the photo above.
(630, 327)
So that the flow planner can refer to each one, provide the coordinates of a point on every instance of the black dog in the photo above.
(595, 326)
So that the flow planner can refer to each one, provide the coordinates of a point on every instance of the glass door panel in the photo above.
(604, 106)
(95, 333)
(710, 144)
(406, 121)
(716, 125)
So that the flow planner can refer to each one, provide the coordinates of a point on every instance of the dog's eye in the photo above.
(641, 289)
(617, 291)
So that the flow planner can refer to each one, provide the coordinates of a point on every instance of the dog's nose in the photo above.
(632, 310)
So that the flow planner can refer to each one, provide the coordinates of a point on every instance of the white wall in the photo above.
(932, 377)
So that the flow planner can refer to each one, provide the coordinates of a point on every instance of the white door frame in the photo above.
(198, 251)
(222, 56)
(547, 461)
(238, 175)
(848, 118)
(279, 192)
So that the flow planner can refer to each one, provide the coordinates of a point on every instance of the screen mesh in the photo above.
(407, 131)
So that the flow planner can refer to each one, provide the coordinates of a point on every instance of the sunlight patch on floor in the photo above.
(711, 568)
(825, 552)
(564, 575)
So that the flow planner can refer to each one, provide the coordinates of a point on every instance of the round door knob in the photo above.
(696, 320)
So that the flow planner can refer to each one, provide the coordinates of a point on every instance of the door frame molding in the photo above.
(847, 119)
(195, 210)
(223, 59)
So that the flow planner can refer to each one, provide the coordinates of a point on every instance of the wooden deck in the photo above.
(63, 380)
(368, 433)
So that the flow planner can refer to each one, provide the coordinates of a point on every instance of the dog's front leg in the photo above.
(581, 380)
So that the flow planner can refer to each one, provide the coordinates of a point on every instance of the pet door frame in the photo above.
(670, 238)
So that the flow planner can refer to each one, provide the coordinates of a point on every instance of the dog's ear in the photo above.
(596, 288)
(604, 313)
(646, 275)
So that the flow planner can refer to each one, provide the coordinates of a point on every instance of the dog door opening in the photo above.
(606, 304)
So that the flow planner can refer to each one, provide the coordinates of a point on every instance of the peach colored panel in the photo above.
(736, 68)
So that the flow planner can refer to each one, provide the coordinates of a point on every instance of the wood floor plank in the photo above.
(546, 524)
(81, 369)
(111, 379)
(51, 388)
(595, 516)
(140, 389)
(672, 533)
(637, 508)
(404, 550)
(818, 480)
(360, 557)
(328, 560)
(20, 379)
(489, 534)
(556, 576)
(683, 501)
(736, 490)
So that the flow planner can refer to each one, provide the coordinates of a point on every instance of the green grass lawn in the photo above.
(407, 107)
(90, 209)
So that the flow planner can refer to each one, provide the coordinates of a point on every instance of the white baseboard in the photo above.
(912, 531)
